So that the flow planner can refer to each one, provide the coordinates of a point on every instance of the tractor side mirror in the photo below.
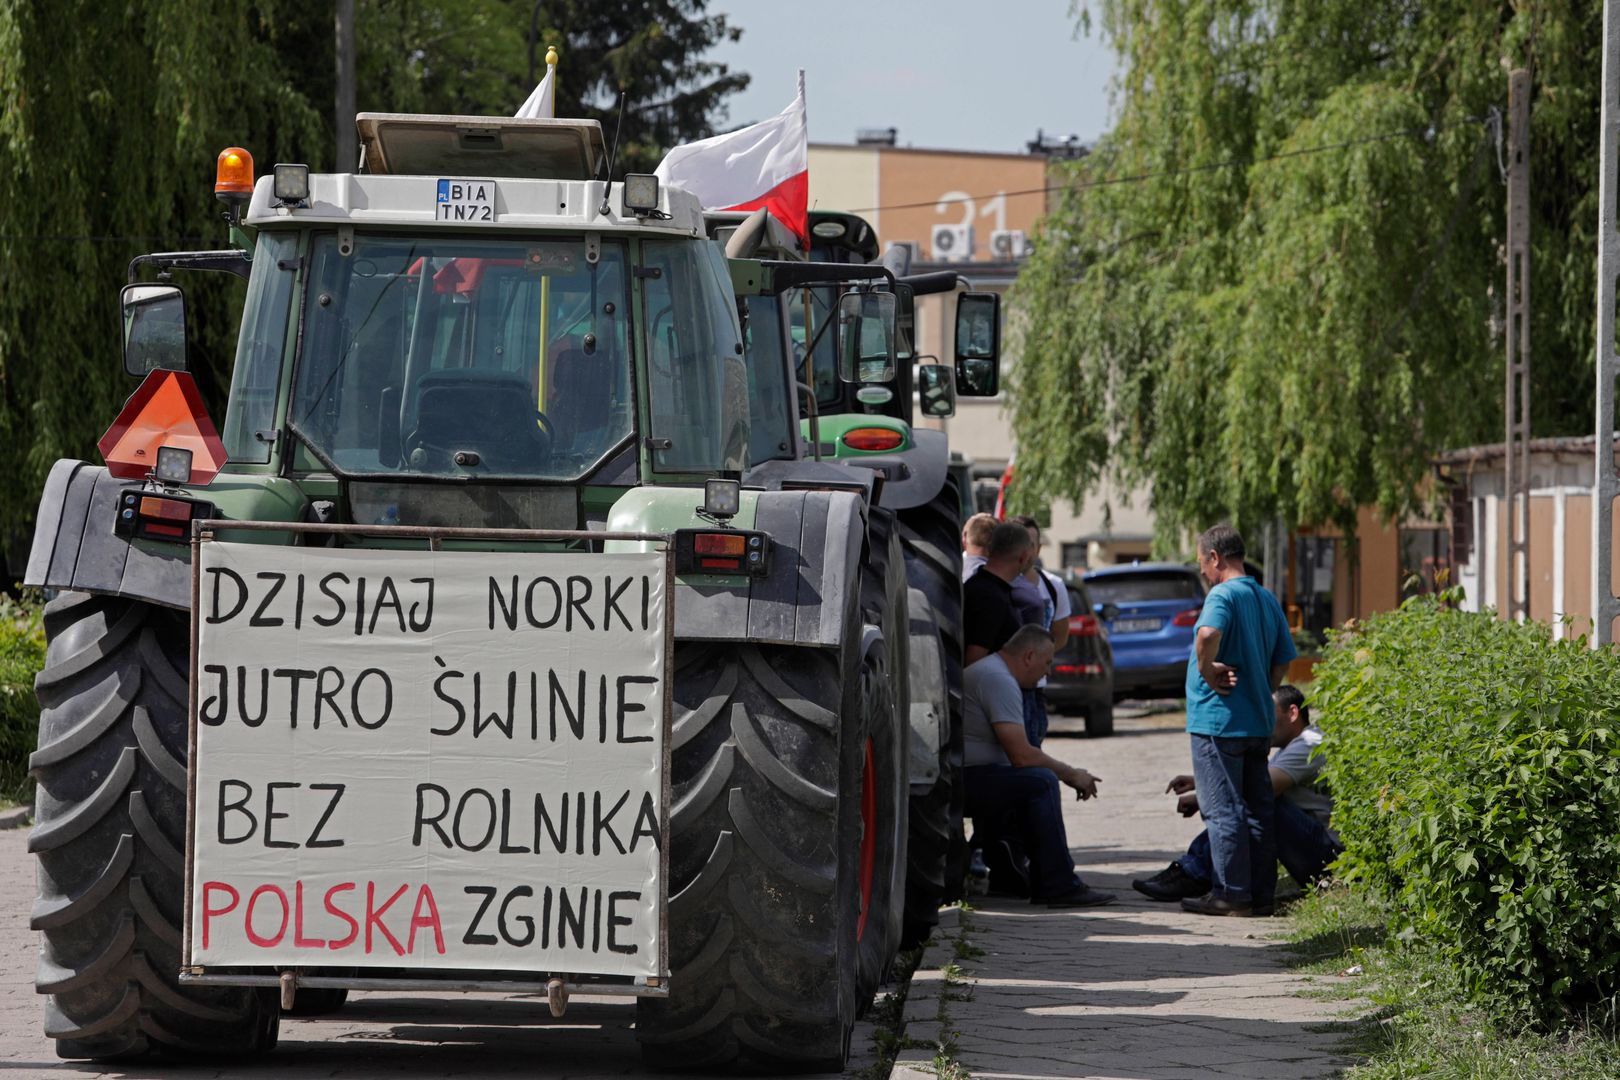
(867, 322)
(978, 344)
(154, 318)
(905, 323)
(936, 390)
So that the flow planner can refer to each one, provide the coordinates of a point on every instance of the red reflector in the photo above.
(1186, 618)
(1084, 626)
(166, 410)
(167, 509)
(719, 544)
(164, 530)
(720, 564)
(873, 438)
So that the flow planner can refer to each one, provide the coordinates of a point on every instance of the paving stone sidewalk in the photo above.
(1135, 991)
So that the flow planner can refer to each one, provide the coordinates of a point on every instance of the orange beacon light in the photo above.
(233, 175)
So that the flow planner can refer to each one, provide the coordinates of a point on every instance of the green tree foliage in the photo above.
(115, 113)
(1475, 767)
(1275, 288)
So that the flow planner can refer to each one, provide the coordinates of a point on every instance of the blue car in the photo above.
(1149, 611)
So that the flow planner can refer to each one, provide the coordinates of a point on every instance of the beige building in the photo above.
(976, 213)
(1560, 547)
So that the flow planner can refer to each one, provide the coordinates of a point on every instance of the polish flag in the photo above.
(766, 164)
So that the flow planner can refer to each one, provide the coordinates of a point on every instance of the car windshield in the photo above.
(1144, 585)
(458, 356)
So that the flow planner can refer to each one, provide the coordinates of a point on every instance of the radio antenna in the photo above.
(613, 155)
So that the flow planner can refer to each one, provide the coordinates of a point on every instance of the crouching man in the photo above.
(1014, 792)
(1303, 809)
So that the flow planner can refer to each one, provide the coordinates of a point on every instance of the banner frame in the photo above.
(474, 981)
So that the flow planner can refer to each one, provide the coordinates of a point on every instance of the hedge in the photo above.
(22, 653)
(1475, 767)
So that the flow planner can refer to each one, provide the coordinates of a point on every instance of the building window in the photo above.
(1425, 560)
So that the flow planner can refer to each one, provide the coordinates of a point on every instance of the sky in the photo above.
(949, 74)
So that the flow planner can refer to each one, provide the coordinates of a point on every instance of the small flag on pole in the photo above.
(542, 103)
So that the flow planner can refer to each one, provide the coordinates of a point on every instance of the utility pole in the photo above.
(1605, 483)
(1516, 401)
(348, 155)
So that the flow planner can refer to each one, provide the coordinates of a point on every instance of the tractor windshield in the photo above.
(458, 356)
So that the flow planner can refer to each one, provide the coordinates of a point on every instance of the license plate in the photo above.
(465, 200)
(1136, 626)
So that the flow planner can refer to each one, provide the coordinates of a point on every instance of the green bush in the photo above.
(1475, 766)
(22, 653)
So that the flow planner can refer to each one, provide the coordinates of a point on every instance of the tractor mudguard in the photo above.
(75, 547)
(816, 539)
(926, 464)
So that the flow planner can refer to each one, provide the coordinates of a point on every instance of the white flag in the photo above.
(542, 104)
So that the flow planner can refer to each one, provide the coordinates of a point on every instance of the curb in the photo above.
(16, 817)
(921, 1020)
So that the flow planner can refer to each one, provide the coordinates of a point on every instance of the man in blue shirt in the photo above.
(1239, 657)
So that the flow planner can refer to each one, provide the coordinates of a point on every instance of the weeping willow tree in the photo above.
(1275, 288)
(114, 113)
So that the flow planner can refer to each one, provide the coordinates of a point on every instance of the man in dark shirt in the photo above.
(989, 617)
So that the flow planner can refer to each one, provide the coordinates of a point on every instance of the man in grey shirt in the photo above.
(1306, 842)
(1013, 789)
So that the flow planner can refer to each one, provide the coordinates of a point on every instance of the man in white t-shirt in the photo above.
(1043, 599)
(1303, 809)
(976, 532)
(1013, 789)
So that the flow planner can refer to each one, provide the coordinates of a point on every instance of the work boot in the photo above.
(1080, 896)
(1210, 904)
(1171, 884)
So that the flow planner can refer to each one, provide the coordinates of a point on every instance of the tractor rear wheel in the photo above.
(771, 746)
(931, 537)
(111, 837)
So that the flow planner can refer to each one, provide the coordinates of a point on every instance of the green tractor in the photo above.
(479, 348)
(859, 403)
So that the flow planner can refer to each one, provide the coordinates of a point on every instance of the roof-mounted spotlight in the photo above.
(641, 193)
(292, 184)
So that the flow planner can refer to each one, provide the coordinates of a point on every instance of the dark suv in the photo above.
(1149, 611)
(1081, 682)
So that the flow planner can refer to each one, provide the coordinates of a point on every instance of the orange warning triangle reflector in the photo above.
(166, 410)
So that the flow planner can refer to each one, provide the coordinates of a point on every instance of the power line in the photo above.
(1427, 132)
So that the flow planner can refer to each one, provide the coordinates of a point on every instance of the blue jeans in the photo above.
(1304, 846)
(1025, 806)
(1035, 715)
(1234, 793)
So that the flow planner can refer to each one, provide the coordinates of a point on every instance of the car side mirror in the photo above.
(154, 319)
(978, 344)
(936, 390)
(866, 323)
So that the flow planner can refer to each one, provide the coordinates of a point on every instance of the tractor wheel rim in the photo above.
(868, 836)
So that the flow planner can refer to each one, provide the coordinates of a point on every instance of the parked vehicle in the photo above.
(1081, 682)
(1148, 611)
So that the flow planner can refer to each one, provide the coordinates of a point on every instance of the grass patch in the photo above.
(1421, 1021)
(22, 654)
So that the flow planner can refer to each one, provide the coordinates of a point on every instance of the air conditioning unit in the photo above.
(1008, 244)
(908, 250)
(952, 243)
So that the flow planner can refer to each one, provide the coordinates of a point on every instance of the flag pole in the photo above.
(551, 70)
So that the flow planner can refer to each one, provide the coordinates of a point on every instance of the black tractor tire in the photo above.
(931, 537)
(886, 705)
(769, 746)
(110, 839)
(1100, 720)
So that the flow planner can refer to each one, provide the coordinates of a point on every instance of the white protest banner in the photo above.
(428, 760)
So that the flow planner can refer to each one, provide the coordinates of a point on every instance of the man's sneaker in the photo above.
(1171, 884)
(1079, 896)
(1210, 904)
